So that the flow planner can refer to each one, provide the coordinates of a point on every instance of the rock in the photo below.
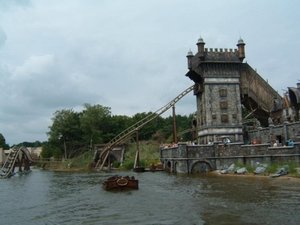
(231, 168)
(242, 170)
(260, 170)
(224, 171)
(281, 171)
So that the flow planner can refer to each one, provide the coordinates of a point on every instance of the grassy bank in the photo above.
(80, 163)
(149, 154)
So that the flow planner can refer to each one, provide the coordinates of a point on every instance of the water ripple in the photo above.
(49, 198)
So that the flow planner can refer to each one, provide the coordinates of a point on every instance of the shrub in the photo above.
(128, 164)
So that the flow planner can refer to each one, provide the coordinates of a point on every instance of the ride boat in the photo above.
(121, 183)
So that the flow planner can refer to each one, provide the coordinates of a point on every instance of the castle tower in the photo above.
(216, 74)
(241, 49)
(223, 83)
(189, 59)
(200, 45)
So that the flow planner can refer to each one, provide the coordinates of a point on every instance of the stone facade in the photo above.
(223, 83)
(191, 158)
(186, 158)
(281, 133)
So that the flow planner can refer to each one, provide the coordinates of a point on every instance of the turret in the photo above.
(189, 59)
(200, 45)
(241, 49)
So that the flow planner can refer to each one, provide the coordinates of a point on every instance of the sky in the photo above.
(129, 55)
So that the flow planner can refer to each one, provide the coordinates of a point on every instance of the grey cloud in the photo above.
(2, 37)
(9, 4)
(127, 55)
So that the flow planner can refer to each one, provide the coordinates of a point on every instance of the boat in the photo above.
(121, 183)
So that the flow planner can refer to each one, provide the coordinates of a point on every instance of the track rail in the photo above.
(132, 129)
(8, 167)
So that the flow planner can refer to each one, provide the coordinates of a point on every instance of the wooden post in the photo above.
(65, 148)
(137, 154)
(174, 125)
(137, 165)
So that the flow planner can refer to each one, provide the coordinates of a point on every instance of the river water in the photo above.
(45, 197)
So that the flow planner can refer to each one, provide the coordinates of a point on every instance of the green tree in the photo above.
(65, 132)
(165, 128)
(30, 144)
(72, 132)
(184, 125)
(3, 142)
(116, 124)
(47, 151)
(147, 131)
(94, 123)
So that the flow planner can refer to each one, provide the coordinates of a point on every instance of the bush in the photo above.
(128, 164)
(82, 161)
(149, 154)
(116, 164)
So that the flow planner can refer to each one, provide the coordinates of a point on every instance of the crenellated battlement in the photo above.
(217, 54)
(235, 50)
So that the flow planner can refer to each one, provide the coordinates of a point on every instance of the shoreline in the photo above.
(260, 176)
(214, 173)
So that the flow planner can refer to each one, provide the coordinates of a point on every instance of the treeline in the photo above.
(6, 146)
(72, 133)
(3, 143)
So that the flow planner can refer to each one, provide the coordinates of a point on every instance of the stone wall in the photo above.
(282, 133)
(184, 157)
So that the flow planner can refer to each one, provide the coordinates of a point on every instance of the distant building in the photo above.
(35, 152)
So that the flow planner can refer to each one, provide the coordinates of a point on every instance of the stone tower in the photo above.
(216, 73)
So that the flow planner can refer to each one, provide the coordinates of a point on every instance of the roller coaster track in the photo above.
(132, 129)
(14, 157)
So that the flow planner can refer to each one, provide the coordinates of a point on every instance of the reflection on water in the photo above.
(44, 197)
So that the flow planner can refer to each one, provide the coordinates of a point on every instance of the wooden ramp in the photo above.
(18, 156)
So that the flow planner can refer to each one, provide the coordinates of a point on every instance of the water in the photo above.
(44, 197)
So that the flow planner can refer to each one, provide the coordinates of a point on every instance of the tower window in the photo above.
(223, 105)
(223, 92)
(224, 118)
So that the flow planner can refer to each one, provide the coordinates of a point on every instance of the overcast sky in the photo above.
(129, 55)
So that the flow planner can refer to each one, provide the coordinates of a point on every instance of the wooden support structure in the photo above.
(174, 125)
(137, 165)
(20, 157)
